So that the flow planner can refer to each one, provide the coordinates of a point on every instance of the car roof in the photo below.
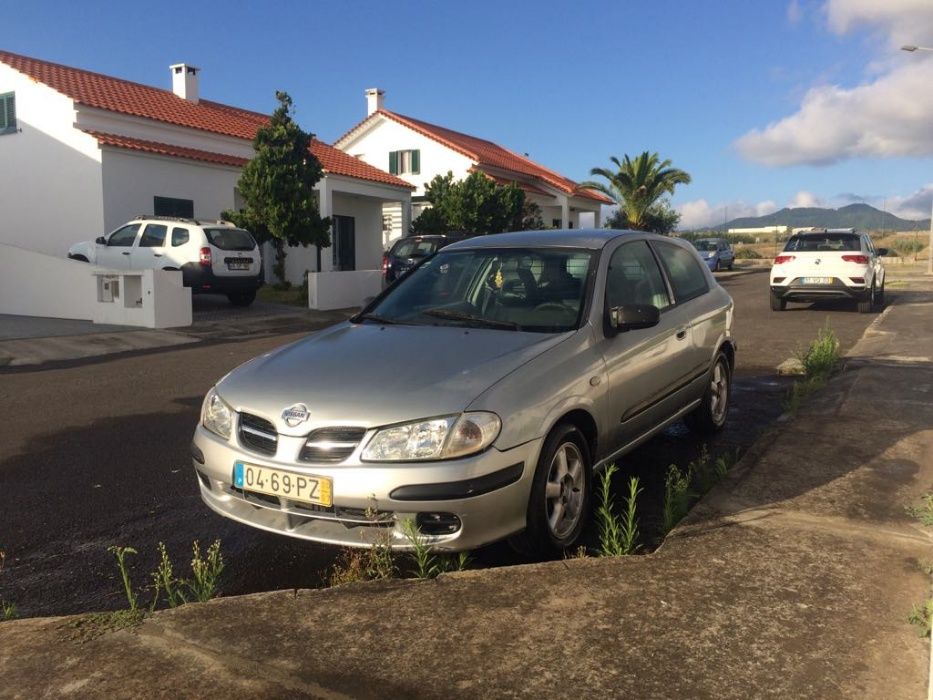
(590, 239)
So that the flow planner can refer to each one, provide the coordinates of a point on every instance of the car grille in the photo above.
(258, 434)
(331, 445)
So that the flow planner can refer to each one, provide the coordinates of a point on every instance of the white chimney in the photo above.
(185, 81)
(374, 100)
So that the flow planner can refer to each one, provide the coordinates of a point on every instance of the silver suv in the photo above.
(476, 397)
(214, 257)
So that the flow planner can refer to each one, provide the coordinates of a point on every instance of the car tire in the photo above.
(731, 265)
(777, 304)
(716, 267)
(242, 298)
(866, 306)
(561, 492)
(879, 297)
(710, 415)
(79, 258)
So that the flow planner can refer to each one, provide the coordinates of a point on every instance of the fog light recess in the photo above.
(437, 523)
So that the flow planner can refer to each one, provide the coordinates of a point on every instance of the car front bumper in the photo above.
(369, 505)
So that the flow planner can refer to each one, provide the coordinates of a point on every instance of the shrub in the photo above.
(747, 254)
(822, 357)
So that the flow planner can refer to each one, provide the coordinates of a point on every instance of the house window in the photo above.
(405, 162)
(7, 113)
(170, 206)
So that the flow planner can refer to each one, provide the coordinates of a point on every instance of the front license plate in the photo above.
(275, 482)
(817, 280)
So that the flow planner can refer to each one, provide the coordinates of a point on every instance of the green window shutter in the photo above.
(416, 162)
(6, 111)
(11, 111)
(393, 162)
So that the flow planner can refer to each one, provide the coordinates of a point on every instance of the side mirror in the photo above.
(633, 317)
(100, 240)
(881, 251)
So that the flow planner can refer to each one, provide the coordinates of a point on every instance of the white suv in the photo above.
(215, 257)
(828, 264)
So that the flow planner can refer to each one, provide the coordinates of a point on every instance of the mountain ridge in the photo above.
(859, 215)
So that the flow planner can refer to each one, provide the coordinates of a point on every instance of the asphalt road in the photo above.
(96, 454)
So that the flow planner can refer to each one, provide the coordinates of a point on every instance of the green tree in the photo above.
(531, 217)
(660, 218)
(475, 204)
(638, 186)
(277, 187)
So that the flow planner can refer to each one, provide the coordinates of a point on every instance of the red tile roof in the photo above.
(125, 97)
(339, 163)
(334, 161)
(165, 149)
(527, 187)
(487, 153)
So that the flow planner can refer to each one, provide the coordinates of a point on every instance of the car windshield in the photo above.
(705, 245)
(823, 242)
(230, 238)
(528, 289)
(414, 248)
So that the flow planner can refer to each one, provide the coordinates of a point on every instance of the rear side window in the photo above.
(634, 278)
(823, 242)
(230, 238)
(684, 271)
(153, 236)
(179, 236)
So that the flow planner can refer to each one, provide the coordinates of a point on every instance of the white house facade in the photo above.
(85, 152)
(417, 151)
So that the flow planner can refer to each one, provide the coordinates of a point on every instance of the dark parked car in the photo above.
(407, 252)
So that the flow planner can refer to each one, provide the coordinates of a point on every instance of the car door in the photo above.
(115, 253)
(693, 312)
(726, 254)
(644, 365)
(149, 252)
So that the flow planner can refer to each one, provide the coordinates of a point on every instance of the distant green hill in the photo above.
(861, 216)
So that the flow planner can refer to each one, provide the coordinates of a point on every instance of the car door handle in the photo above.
(681, 334)
(126, 253)
(157, 255)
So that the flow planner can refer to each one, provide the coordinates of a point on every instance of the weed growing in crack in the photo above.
(7, 608)
(205, 572)
(822, 357)
(676, 498)
(618, 534)
(921, 617)
(120, 554)
(924, 512)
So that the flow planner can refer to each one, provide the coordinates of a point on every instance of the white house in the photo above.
(84, 152)
(417, 151)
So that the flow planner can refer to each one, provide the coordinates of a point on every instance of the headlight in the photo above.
(434, 438)
(216, 415)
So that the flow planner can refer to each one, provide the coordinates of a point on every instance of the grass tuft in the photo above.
(822, 357)
(924, 512)
(120, 554)
(921, 617)
(618, 535)
(7, 608)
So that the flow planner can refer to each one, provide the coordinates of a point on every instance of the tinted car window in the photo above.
(414, 248)
(634, 278)
(683, 270)
(153, 236)
(538, 290)
(179, 236)
(124, 237)
(705, 245)
(823, 242)
(230, 238)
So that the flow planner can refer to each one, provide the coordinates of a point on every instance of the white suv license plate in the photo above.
(237, 266)
(317, 490)
(817, 280)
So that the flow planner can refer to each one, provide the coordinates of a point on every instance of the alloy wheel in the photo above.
(719, 393)
(563, 493)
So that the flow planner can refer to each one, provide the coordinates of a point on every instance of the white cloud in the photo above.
(699, 213)
(888, 115)
(805, 199)
(914, 206)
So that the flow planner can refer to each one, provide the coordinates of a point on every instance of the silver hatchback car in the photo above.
(475, 397)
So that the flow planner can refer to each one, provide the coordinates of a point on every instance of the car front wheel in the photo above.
(710, 415)
(560, 495)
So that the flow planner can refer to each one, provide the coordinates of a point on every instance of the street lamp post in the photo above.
(911, 48)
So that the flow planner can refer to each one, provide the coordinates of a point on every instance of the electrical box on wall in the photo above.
(108, 288)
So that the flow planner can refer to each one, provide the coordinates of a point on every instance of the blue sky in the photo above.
(765, 103)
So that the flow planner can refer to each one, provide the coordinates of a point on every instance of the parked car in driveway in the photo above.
(717, 253)
(215, 257)
(476, 396)
(407, 252)
(828, 264)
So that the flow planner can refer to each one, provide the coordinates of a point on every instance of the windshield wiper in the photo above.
(454, 315)
(373, 317)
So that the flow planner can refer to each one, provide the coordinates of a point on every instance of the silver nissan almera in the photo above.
(475, 397)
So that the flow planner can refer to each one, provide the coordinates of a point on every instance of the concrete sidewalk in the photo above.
(792, 578)
(27, 341)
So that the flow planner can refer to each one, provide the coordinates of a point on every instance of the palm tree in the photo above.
(638, 185)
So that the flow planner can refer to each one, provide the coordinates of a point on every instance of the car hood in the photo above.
(371, 375)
